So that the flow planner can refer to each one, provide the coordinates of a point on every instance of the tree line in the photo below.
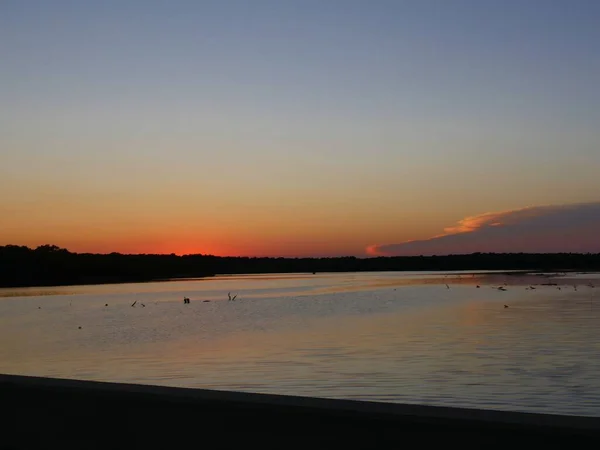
(50, 265)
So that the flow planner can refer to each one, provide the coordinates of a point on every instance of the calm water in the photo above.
(397, 337)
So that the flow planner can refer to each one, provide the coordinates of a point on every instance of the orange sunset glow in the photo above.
(184, 133)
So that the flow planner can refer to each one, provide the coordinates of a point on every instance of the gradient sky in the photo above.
(290, 127)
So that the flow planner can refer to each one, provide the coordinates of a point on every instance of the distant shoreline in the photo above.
(101, 282)
(52, 266)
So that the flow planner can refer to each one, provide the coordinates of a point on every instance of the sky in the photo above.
(300, 127)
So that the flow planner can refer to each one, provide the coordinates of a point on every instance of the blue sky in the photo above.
(422, 112)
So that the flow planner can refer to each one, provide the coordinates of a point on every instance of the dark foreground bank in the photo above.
(51, 413)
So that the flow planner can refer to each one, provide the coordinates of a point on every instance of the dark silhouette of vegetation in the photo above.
(49, 265)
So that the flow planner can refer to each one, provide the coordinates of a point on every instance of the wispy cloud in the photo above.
(537, 229)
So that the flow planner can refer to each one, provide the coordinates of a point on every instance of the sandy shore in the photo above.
(44, 413)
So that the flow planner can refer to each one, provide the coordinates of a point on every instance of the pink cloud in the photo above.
(538, 229)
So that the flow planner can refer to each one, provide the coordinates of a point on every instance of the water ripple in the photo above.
(381, 337)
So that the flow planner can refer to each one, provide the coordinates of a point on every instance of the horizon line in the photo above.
(57, 248)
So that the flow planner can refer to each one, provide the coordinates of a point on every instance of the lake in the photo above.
(407, 337)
